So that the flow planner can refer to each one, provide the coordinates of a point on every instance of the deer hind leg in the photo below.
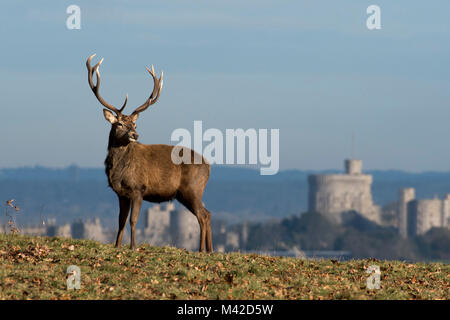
(135, 209)
(204, 220)
(124, 204)
(209, 245)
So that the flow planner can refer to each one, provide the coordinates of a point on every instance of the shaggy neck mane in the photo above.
(114, 143)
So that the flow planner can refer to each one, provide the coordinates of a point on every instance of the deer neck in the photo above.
(116, 143)
(117, 154)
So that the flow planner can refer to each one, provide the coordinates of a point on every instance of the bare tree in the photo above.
(138, 172)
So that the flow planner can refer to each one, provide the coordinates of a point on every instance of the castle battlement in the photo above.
(337, 178)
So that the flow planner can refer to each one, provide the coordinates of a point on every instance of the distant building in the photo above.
(91, 230)
(79, 229)
(404, 197)
(417, 216)
(167, 226)
(230, 238)
(184, 230)
(53, 230)
(335, 194)
(164, 225)
(157, 223)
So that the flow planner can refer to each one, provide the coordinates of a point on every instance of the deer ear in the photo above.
(109, 116)
(134, 117)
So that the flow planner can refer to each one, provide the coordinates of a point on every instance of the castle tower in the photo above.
(353, 166)
(184, 229)
(334, 194)
(445, 211)
(404, 197)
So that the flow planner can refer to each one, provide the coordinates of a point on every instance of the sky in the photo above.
(311, 69)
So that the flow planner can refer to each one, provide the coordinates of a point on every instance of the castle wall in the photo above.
(337, 193)
(63, 231)
(156, 224)
(167, 226)
(424, 215)
(32, 230)
(91, 230)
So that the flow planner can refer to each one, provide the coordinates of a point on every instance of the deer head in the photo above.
(123, 127)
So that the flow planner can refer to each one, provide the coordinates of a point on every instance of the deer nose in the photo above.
(134, 136)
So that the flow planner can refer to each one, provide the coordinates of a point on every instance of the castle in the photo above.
(164, 225)
(335, 194)
(90, 229)
(167, 226)
(332, 195)
(417, 216)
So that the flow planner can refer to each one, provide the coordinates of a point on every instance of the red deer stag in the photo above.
(138, 172)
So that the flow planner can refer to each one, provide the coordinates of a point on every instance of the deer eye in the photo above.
(119, 124)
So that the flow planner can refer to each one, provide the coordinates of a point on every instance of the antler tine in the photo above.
(95, 88)
(124, 103)
(155, 93)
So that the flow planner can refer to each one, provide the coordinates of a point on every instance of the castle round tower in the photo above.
(334, 194)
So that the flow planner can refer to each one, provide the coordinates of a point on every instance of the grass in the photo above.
(35, 268)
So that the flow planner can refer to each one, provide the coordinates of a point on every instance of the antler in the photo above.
(95, 88)
(158, 83)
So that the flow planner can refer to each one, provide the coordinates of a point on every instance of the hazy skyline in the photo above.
(311, 69)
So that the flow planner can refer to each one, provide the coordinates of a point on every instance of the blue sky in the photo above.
(309, 68)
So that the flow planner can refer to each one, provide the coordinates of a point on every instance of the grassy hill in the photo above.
(35, 268)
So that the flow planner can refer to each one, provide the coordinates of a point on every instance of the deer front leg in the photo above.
(124, 204)
(136, 203)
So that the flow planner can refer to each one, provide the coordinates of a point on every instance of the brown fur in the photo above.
(138, 172)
